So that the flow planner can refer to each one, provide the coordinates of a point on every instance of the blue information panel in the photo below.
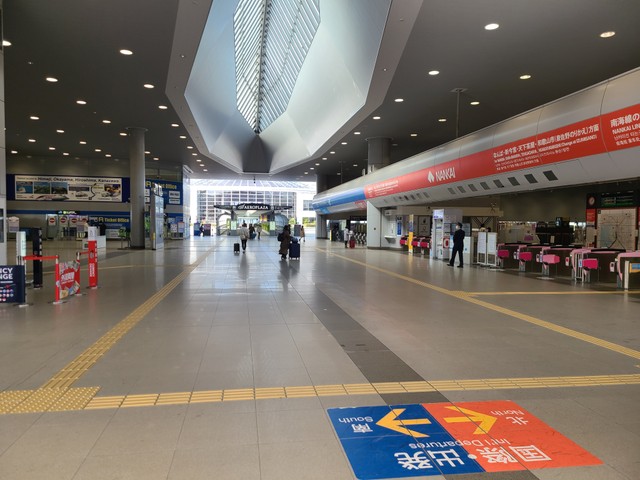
(399, 441)
(12, 284)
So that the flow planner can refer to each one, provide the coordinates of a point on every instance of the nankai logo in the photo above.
(442, 175)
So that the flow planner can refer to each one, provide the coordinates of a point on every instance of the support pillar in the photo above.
(137, 174)
(321, 220)
(379, 153)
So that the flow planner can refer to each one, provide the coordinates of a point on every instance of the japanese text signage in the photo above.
(443, 439)
(605, 133)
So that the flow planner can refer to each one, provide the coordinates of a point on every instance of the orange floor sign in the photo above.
(501, 435)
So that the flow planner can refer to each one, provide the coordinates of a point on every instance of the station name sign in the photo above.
(253, 206)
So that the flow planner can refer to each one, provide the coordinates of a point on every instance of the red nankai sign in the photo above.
(613, 131)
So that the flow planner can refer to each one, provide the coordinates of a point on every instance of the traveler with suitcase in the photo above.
(285, 242)
(294, 248)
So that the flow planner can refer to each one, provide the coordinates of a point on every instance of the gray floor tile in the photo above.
(230, 462)
(149, 466)
(293, 426)
(317, 459)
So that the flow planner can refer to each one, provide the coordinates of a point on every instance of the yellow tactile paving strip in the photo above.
(469, 297)
(54, 400)
(46, 400)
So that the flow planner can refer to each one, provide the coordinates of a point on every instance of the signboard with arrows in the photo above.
(444, 438)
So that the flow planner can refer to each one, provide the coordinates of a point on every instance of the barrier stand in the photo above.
(92, 252)
(57, 300)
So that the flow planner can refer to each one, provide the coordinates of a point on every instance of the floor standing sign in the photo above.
(36, 238)
(12, 284)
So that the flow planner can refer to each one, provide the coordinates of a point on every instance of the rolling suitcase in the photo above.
(236, 248)
(352, 243)
(294, 250)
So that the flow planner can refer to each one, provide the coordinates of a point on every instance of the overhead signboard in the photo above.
(444, 439)
(66, 188)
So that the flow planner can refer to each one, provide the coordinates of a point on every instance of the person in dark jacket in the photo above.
(285, 242)
(458, 245)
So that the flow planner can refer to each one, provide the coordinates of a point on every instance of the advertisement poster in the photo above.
(67, 275)
(60, 188)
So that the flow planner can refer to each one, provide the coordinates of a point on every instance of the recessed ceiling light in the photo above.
(52, 148)
(14, 151)
(324, 158)
(525, 77)
(307, 173)
(442, 119)
(339, 173)
(491, 26)
(475, 102)
(156, 158)
(147, 152)
(332, 153)
(106, 121)
(51, 79)
(356, 133)
(189, 147)
(414, 134)
(194, 154)
(434, 72)
(81, 102)
(355, 164)
(174, 125)
(98, 149)
(344, 143)
(317, 164)
(376, 118)
(60, 131)
(183, 137)
(66, 154)
(312, 168)
(33, 117)
(6, 43)
(82, 142)
(198, 160)
(124, 51)
(32, 140)
(205, 170)
(123, 134)
(607, 34)
(162, 107)
(399, 100)
(148, 85)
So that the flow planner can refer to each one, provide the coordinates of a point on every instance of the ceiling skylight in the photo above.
(272, 38)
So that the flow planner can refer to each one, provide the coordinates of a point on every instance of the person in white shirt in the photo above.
(244, 236)
(347, 236)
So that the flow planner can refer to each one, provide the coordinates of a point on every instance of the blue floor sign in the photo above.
(398, 441)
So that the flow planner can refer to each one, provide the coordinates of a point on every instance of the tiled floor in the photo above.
(234, 335)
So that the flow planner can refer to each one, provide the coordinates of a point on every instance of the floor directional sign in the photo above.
(443, 438)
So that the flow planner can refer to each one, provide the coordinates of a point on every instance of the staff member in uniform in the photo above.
(458, 245)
